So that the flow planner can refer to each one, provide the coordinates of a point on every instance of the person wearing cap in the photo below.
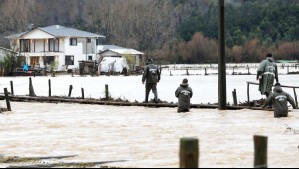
(280, 100)
(266, 74)
(151, 76)
(184, 93)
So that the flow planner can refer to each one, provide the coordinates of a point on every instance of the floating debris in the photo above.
(290, 130)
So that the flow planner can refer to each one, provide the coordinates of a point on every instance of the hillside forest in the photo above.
(176, 31)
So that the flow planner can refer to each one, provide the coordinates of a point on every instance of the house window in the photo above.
(56, 45)
(69, 60)
(48, 60)
(90, 58)
(24, 45)
(53, 45)
(73, 41)
(34, 61)
(99, 41)
(88, 40)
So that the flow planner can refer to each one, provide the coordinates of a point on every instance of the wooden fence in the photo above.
(254, 83)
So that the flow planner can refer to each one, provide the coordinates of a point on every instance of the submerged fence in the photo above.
(253, 83)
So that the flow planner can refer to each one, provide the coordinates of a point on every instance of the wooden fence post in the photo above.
(206, 72)
(11, 88)
(82, 91)
(248, 68)
(260, 151)
(189, 153)
(235, 97)
(233, 70)
(295, 95)
(248, 95)
(50, 90)
(7, 99)
(107, 91)
(70, 90)
(31, 89)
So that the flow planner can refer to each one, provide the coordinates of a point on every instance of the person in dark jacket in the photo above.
(280, 100)
(151, 76)
(266, 74)
(184, 93)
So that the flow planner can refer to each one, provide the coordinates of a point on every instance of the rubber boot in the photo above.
(146, 98)
(156, 96)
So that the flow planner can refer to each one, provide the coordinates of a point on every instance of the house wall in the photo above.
(88, 48)
(39, 45)
(37, 34)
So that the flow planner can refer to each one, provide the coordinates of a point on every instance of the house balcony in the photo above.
(35, 54)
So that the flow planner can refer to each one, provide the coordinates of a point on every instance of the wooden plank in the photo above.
(255, 83)
(114, 103)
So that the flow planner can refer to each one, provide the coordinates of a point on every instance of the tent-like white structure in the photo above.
(116, 51)
(113, 64)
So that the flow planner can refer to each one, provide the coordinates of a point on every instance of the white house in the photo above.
(133, 56)
(42, 46)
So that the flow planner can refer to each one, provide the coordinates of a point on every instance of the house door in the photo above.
(34, 61)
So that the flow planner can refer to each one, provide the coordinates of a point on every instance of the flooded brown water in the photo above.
(145, 137)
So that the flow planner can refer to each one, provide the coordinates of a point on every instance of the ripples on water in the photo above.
(146, 137)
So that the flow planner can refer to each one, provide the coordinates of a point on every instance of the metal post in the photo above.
(221, 65)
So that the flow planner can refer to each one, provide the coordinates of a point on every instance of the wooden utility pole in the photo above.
(221, 65)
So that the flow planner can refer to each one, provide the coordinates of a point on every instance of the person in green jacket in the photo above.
(184, 93)
(266, 74)
(151, 76)
(280, 100)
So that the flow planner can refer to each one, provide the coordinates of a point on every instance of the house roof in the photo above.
(59, 31)
(119, 50)
(102, 48)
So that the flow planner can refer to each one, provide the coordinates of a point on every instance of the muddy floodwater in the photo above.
(145, 137)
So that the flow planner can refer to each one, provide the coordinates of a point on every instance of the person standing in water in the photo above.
(184, 94)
